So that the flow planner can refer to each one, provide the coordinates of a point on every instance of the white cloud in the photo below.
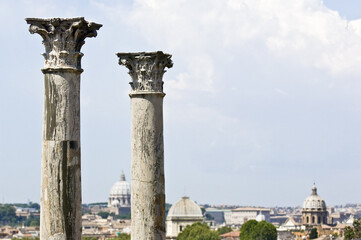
(204, 32)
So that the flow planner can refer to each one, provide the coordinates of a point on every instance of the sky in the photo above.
(263, 100)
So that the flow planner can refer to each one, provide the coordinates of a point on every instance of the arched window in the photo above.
(307, 220)
(180, 228)
(313, 219)
(319, 220)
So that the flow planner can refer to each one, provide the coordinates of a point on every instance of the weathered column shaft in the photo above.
(148, 193)
(147, 156)
(61, 172)
(60, 201)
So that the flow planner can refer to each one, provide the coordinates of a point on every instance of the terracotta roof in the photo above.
(231, 234)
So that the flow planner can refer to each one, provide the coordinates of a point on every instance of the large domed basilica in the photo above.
(314, 211)
(119, 198)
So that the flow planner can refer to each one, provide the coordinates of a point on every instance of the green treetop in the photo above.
(198, 231)
(253, 230)
(313, 233)
(224, 230)
(353, 232)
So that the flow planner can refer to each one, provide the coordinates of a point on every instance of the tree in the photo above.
(353, 232)
(247, 230)
(8, 216)
(34, 205)
(224, 230)
(122, 236)
(265, 231)
(26, 238)
(349, 234)
(127, 216)
(253, 230)
(103, 214)
(357, 227)
(32, 221)
(198, 231)
(88, 238)
(28, 205)
(313, 233)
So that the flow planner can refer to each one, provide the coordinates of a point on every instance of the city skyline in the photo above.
(264, 98)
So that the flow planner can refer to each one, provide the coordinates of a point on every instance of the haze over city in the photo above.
(263, 100)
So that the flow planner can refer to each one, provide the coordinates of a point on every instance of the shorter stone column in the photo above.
(148, 198)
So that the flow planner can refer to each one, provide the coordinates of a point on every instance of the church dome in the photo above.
(185, 208)
(314, 202)
(122, 187)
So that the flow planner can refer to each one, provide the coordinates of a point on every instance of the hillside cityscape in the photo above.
(111, 219)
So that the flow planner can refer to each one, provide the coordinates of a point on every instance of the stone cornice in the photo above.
(63, 39)
(146, 70)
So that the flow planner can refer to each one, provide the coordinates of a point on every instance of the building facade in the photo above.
(238, 216)
(183, 213)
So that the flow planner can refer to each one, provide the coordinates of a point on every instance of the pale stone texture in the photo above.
(148, 197)
(60, 201)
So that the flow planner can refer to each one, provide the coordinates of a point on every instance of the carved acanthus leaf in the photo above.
(146, 69)
(63, 39)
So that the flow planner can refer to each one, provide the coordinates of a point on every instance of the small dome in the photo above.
(260, 217)
(314, 202)
(122, 187)
(185, 208)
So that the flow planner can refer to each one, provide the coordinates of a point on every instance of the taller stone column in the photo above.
(60, 201)
(147, 151)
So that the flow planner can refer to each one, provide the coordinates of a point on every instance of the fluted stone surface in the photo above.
(60, 201)
(147, 154)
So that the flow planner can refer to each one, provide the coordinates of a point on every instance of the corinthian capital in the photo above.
(63, 39)
(146, 70)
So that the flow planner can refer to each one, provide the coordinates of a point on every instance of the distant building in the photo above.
(339, 216)
(278, 220)
(239, 216)
(216, 214)
(119, 198)
(350, 220)
(291, 224)
(183, 213)
(314, 211)
(26, 212)
(93, 226)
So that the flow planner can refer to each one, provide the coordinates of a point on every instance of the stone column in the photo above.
(148, 198)
(60, 201)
